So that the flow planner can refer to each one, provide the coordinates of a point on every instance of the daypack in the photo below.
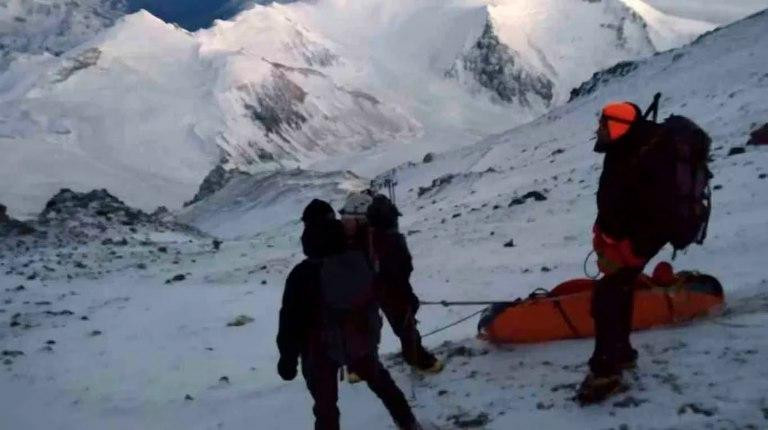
(351, 320)
(670, 171)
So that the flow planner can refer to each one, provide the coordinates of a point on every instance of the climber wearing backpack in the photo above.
(396, 296)
(329, 319)
(653, 190)
(370, 222)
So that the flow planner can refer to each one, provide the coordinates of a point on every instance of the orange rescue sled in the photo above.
(564, 313)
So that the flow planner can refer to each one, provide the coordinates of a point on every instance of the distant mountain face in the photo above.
(52, 26)
(56, 26)
(143, 104)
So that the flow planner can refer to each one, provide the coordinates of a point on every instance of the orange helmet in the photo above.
(616, 121)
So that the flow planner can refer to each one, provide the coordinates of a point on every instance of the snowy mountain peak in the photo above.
(297, 85)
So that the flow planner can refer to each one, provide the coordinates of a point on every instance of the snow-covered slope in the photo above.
(135, 349)
(147, 105)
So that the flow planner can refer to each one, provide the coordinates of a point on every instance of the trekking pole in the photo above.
(653, 108)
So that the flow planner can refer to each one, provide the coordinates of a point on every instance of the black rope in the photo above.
(586, 271)
(446, 303)
(452, 324)
(537, 293)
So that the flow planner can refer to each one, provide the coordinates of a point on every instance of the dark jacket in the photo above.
(395, 266)
(300, 314)
(626, 198)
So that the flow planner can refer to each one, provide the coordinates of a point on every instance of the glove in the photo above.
(287, 369)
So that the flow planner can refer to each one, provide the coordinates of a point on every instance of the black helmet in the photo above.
(318, 211)
(382, 213)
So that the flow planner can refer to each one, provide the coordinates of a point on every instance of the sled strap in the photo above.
(566, 318)
(670, 305)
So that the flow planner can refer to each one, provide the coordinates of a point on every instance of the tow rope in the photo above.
(455, 323)
(446, 303)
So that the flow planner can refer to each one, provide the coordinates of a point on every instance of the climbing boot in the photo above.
(596, 389)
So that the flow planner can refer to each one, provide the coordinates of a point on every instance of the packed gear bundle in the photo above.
(565, 311)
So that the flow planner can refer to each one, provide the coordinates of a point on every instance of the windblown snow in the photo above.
(137, 326)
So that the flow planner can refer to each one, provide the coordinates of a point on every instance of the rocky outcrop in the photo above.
(602, 77)
(12, 227)
(495, 67)
(72, 217)
(216, 179)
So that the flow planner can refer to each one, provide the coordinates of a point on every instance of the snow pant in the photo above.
(612, 305)
(403, 321)
(613, 301)
(322, 377)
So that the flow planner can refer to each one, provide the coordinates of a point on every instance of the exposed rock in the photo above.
(88, 58)
(759, 136)
(72, 217)
(216, 179)
(240, 320)
(535, 195)
(736, 150)
(276, 106)
(12, 227)
(428, 158)
(177, 278)
(465, 421)
(436, 183)
(494, 66)
(602, 77)
(11, 353)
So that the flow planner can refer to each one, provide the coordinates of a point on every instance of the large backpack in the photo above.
(351, 320)
(672, 175)
(683, 153)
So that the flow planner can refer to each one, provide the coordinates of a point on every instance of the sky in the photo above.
(195, 14)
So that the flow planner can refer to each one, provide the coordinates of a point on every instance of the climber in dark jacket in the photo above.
(628, 232)
(396, 297)
(301, 331)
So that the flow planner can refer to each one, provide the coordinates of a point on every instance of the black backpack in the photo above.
(674, 164)
(351, 320)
